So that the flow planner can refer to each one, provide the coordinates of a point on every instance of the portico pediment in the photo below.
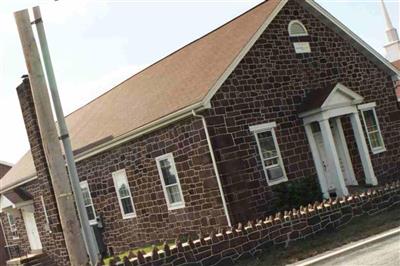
(5, 203)
(15, 198)
(341, 96)
(331, 98)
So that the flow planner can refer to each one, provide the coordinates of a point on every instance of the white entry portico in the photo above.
(322, 112)
(19, 203)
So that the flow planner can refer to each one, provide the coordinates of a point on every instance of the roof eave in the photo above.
(15, 185)
(162, 122)
(159, 123)
(6, 164)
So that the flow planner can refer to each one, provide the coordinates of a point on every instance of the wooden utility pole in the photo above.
(51, 145)
(88, 235)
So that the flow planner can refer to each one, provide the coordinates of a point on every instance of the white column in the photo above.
(342, 139)
(370, 177)
(331, 153)
(317, 161)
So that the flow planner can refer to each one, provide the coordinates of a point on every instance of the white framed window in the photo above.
(372, 127)
(124, 194)
(170, 181)
(297, 29)
(13, 226)
(270, 154)
(88, 202)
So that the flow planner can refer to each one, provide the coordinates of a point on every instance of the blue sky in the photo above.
(97, 44)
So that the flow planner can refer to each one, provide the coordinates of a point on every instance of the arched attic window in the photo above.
(298, 34)
(296, 29)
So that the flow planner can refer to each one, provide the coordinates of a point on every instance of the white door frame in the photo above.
(343, 150)
(31, 229)
(330, 183)
(330, 148)
(340, 102)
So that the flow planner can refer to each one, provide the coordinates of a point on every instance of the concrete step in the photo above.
(32, 260)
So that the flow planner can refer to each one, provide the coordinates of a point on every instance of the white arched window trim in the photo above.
(298, 22)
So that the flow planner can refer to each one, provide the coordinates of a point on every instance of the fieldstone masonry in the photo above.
(17, 242)
(203, 205)
(269, 84)
(229, 246)
(53, 242)
(185, 139)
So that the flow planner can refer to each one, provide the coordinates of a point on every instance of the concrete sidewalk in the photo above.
(337, 256)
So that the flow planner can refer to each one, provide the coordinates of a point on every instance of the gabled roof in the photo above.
(178, 81)
(172, 87)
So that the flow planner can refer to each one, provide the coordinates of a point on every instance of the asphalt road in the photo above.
(382, 253)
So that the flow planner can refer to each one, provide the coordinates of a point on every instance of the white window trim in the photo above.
(85, 184)
(46, 216)
(129, 215)
(366, 107)
(13, 227)
(170, 206)
(297, 35)
(263, 128)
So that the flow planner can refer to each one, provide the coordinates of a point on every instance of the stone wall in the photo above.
(226, 247)
(203, 205)
(184, 139)
(17, 243)
(269, 84)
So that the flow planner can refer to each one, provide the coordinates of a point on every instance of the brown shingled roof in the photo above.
(179, 80)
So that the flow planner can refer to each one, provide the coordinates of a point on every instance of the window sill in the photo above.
(175, 207)
(128, 216)
(276, 182)
(15, 237)
(380, 150)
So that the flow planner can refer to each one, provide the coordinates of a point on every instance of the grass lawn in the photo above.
(146, 249)
(359, 228)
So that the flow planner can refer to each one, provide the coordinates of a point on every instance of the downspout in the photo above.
(214, 162)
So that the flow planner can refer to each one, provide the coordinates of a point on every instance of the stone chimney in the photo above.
(52, 241)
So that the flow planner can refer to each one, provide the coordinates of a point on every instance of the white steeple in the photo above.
(393, 46)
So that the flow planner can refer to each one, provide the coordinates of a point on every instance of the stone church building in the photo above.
(200, 139)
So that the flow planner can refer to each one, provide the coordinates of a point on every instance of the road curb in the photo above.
(347, 248)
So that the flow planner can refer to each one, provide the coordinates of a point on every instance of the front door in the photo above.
(328, 171)
(340, 148)
(31, 230)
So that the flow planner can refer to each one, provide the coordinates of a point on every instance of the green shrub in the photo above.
(295, 193)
